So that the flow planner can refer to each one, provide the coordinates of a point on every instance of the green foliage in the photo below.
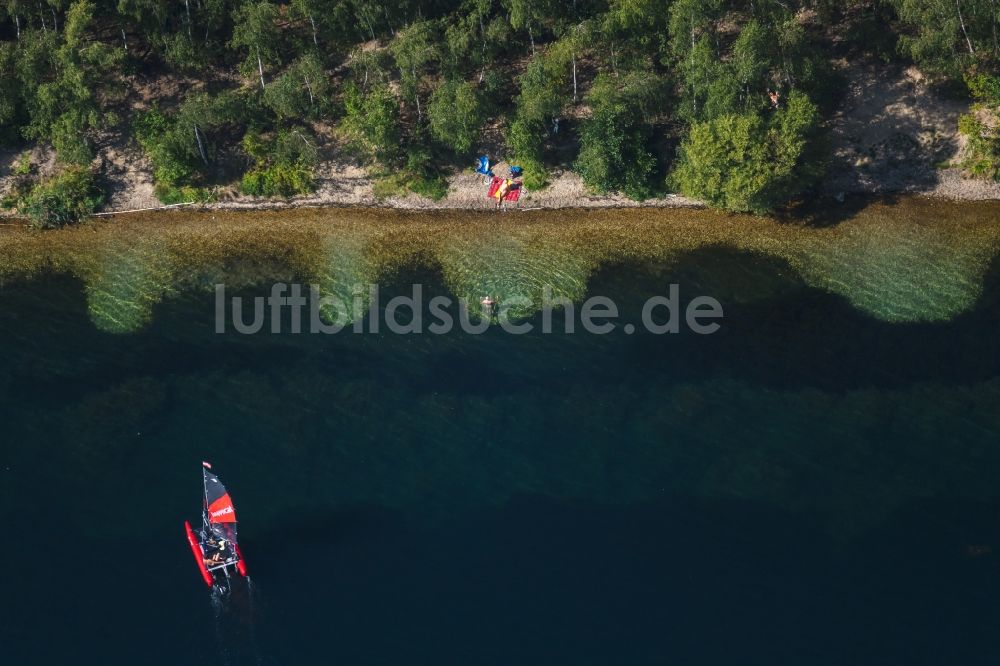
(371, 121)
(63, 199)
(158, 134)
(745, 163)
(565, 82)
(530, 15)
(11, 103)
(614, 143)
(545, 91)
(419, 174)
(474, 41)
(945, 37)
(61, 82)
(984, 87)
(181, 146)
(414, 50)
(302, 91)
(278, 180)
(175, 194)
(326, 24)
(284, 164)
(255, 32)
(981, 158)
(422, 174)
(23, 165)
(456, 115)
(981, 128)
(401, 182)
(182, 54)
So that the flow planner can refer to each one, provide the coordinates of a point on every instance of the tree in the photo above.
(946, 36)
(256, 32)
(150, 17)
(632, 31)
(751, 64)
(744, 163)
(473, 41)
(614, 144)
(11, 103)
(302, 90)
(313, 12)
(413, 50)
(372, 121)
(530, 16)
(544, 94)
(181, 146)
(66, 78)
(456, 115)
(699, 66)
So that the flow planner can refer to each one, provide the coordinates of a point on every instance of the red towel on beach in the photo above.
(513, 194)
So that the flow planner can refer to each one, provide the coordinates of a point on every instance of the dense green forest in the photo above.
(723, 101)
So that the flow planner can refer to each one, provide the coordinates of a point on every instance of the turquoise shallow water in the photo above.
(813, 484)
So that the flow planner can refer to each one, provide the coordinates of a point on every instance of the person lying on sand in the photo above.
(502, 191)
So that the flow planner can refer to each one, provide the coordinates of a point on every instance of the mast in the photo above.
(204, 496)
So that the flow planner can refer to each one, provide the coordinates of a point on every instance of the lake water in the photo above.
(816, 483)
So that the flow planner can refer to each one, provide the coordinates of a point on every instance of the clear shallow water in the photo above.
(813, 484)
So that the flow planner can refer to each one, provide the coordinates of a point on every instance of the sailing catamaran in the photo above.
(214, 546)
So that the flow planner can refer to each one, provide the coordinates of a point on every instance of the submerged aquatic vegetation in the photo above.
(915, 260)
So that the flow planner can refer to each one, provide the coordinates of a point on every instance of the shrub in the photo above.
(981, 158)
(284, 164)
(432, 186)
(23, 166)
(69, 137)
(278, 180)
(420, 175)
(423, 174)
(981, 128)
(984, 87)
(175, 194)
(526, 139)
(63, 199)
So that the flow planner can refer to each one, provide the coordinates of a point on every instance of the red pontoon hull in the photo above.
(241, 566)
(199, 556)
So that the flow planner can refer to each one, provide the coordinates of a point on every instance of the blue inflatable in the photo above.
(484, 166)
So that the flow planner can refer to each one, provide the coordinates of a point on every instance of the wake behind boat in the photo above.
(215, 546)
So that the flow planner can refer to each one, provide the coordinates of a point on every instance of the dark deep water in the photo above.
(808, 486)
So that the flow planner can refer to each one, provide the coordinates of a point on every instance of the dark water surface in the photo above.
(811, 485)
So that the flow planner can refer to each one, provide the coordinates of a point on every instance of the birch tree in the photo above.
(414, 49)
(255, 33)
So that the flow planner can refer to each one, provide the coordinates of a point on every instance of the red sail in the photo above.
(218, 504)
(221, 510)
